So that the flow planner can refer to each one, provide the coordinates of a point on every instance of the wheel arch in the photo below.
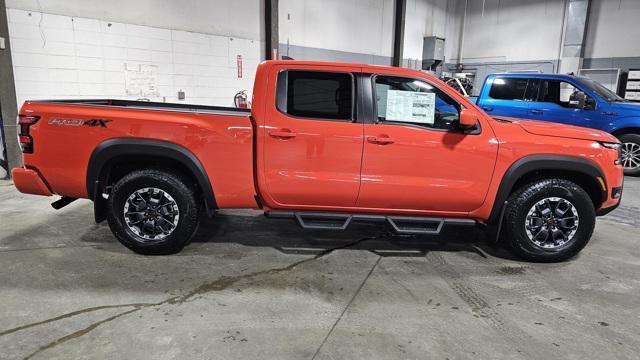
(131, 151)
(626, 130)
(583, 172)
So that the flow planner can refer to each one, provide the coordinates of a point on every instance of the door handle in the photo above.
(380, 140)
(282, 134)
(487, 108)
(535, 111)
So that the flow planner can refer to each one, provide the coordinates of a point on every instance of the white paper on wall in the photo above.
(141, 79)
(410, 106)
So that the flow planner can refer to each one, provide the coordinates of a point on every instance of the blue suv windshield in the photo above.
(600, 90)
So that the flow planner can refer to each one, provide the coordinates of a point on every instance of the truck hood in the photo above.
(545, 128)
(626, 106)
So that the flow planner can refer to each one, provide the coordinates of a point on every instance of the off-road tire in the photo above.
(171, 184)
(523, 199)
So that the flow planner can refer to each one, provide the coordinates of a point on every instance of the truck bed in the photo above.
(70, 131)
(151, 105)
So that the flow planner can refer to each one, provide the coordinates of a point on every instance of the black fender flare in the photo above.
(112, 148)
(532, 163)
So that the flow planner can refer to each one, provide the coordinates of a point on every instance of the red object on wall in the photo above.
(241, 100)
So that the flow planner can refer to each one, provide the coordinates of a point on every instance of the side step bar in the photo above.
(62, 202)
(340, 221)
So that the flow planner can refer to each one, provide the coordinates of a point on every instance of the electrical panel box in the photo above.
(432, 51)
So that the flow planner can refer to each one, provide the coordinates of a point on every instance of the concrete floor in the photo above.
(252, 288)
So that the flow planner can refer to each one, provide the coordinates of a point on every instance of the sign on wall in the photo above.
(141, 80)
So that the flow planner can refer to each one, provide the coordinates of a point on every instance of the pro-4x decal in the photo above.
(79, 122)
(97, 122)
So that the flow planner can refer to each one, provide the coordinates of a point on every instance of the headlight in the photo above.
(614, 146)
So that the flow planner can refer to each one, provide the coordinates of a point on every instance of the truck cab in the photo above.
(567, 99)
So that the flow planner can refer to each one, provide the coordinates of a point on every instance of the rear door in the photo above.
(507, 96)
(312, 142)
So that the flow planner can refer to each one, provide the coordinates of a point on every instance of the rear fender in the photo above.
(113, 148)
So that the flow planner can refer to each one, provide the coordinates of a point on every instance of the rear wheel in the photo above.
(549, 220)
(153, 212)
(631, 154)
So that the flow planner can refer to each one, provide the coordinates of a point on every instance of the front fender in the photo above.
(619, 124)
(532, 163)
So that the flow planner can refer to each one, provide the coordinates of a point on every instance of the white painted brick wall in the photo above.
(63, 57)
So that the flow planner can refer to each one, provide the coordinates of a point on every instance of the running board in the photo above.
(62, 202)
(340, 221)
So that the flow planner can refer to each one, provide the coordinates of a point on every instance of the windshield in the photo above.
(600, 89)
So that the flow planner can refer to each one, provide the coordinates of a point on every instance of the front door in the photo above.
(416, 157)
(312, 143)
(553, 104)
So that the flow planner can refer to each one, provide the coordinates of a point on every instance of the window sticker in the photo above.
(410, 106)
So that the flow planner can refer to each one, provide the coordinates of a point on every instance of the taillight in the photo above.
(24, 123)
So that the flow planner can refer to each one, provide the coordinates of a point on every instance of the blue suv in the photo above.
(567, 99)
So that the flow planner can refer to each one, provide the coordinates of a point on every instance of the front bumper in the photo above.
(616, 195)
(605, 211)
(28, 181)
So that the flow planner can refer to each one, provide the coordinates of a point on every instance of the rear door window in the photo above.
(532, 90)
(316, 94)
(505, 88)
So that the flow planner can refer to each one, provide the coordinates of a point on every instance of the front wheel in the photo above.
(152, 212)
(631, 154)
(549, 220)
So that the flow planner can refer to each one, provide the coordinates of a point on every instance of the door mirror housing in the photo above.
(468, 119)
(589, 104)
(580, 100)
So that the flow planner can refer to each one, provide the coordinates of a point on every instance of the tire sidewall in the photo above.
(165, 182)
(631, 138)
(528, 199)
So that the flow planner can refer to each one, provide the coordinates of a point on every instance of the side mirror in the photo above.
(589, 104)
(468, 119)
(578, 100)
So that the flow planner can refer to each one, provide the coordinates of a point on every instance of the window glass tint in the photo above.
(601, 90)
(314, 94)
(508, 88)
(532, 90)
(416, 102)
(558, 92)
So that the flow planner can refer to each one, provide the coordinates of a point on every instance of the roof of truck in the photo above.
(327, 63)
(533, 75)
(343, 64)
(373, 68)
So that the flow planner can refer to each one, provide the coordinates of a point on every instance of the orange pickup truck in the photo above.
(325, 144)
